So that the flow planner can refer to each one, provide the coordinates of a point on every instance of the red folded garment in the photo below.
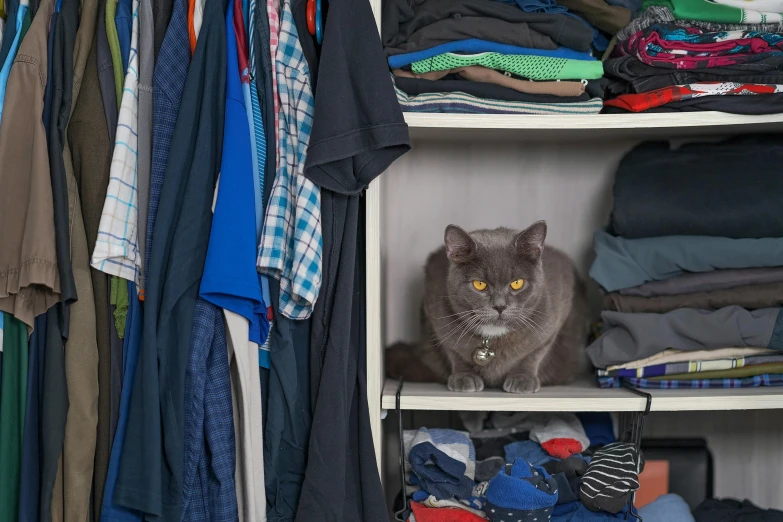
(428, 514)
(659, 97)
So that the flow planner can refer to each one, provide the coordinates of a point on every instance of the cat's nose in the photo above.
(499, 308)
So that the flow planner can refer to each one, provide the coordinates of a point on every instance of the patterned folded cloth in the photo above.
(660, 97)
(660, 14)
(528, 66)
(747, 382)
(695, 367)
(711, 12)
(671, 355)
(461, 103)
(732, 373)
(674, 47)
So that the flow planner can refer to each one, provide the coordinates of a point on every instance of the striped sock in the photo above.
(611, 478)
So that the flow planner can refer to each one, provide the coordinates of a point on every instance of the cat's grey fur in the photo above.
(537, 333)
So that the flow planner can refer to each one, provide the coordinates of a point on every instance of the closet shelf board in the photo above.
(584, 127)
(579, 396)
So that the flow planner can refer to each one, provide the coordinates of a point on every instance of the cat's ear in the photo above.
(460, 247)
(530, 242)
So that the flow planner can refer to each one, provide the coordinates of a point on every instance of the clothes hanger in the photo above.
(319, 31)
(311, 17)
(315, 20)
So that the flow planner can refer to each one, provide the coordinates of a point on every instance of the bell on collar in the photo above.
(483, 354)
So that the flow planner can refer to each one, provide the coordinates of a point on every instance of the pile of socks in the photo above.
(520, 467)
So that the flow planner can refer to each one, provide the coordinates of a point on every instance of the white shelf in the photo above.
(593, 126)
(581, 396)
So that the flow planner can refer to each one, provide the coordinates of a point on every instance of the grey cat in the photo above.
(499, 310)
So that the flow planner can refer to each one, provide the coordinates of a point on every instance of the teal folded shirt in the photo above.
(623, 263)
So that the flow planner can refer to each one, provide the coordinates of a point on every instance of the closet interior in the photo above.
(513, 175)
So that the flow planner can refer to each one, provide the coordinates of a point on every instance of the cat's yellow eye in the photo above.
(479, 285)
(517, 284)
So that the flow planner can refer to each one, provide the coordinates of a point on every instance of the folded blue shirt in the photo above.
(474, 45)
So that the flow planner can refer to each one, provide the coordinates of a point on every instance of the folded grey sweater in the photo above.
(628, 337)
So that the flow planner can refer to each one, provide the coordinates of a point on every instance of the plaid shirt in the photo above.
(116, 248)
(171, 70)
(291, 242)
(774, 379)
(208, 490)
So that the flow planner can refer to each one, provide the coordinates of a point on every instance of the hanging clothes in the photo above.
(150, 476)
(88, 141)
(12, 411)
(111, 511)
(73, 486)
(29, 480)
(169, 77)
(230, 280)
(341, 162)
(144, 127)
(28, 261)
(209, 490)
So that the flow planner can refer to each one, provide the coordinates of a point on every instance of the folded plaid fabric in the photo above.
(775, 379)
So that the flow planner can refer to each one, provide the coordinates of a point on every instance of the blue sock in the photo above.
(521, 493)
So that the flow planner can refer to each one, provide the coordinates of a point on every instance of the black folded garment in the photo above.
(629, 75)
(730, 510)
(481, 28)
(401, 18)
(753, 104)
(488, 91)
(729, 189)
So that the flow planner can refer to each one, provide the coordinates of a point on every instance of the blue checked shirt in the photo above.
(171, 70)
(209, 490)
(291, 244)
(116, 248)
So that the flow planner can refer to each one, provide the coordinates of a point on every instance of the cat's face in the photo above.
(493, 275)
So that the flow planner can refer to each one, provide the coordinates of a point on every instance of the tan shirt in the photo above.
(29, 280)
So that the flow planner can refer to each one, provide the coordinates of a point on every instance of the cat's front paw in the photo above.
(522, 384)
(465, 382)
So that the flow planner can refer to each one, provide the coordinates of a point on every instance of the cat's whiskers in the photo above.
(534, 311)
(475, 321)
(525, 322)
(461, 314)
(533, 321)
(458, 319)
(460, 323)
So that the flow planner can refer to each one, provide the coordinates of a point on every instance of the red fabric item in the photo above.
(562, 448)
(428, 514)
(659, 97)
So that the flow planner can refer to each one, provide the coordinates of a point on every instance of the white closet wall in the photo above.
(486, 184)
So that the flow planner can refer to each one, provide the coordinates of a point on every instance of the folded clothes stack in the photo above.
(692, 267)
(696, 55)
(500, 56)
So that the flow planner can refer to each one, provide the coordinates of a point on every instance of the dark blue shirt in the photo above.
(124, 20)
